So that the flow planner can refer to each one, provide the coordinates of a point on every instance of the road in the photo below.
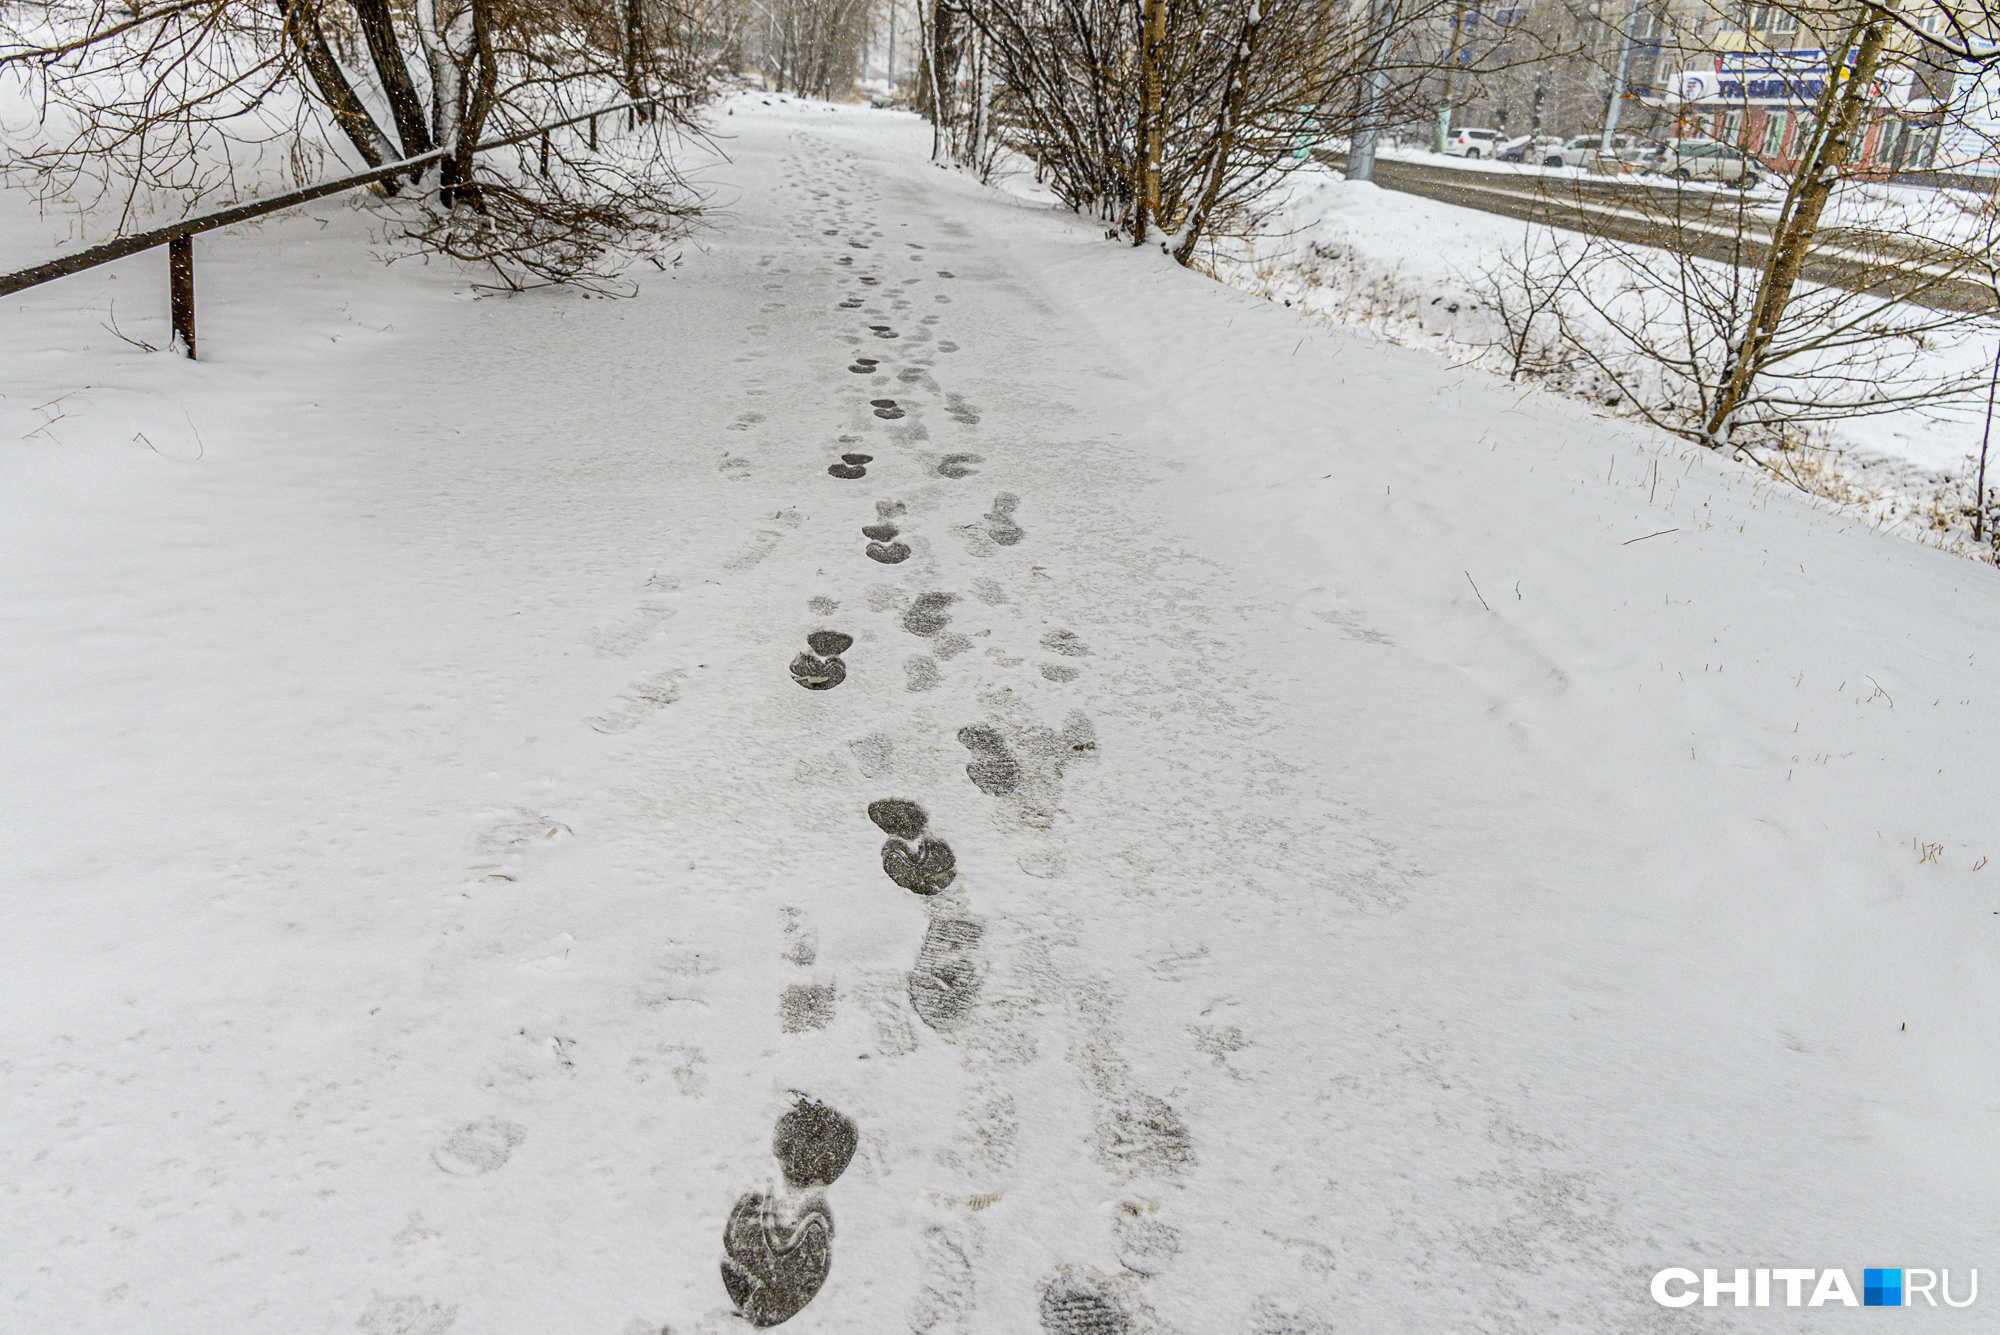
(1713, 224)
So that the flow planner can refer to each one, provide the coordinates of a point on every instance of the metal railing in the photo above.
(178, 238)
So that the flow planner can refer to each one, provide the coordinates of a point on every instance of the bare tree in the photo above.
(1648, 317)
(815, 46)
(173, 103)
(1836, 120)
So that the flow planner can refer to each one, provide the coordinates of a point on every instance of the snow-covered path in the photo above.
(1426, 857)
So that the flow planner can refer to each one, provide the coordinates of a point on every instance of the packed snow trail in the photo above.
(1279, 835)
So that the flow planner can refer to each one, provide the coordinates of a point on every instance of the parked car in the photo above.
(1581, 149)
(1471, 143)
(1534, 148)
(1706, 160)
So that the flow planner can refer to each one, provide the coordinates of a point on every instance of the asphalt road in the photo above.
(1710, 223)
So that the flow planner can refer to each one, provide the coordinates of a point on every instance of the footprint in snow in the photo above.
(920, 865)
(954, 465)
(821, 668)
(813, 1144)
(478, 1147)
(945, 982)
(851, 466)
(1000, 525)
(1028, 772)
(927, 615)
(804, 1006)
(886, 409)
(640, 700)
(888, 553)
(775, 1260)
(881, 535)
(993, 766)
(1072, 1306)
(778, 1251)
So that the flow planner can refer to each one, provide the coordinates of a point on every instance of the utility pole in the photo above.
(1450, 69)
(1374, 86)
(1612, 106)
(892, 48)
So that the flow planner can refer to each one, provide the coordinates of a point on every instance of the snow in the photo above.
(1419, 271)
(414, 828)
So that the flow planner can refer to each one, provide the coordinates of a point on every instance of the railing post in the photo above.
(180, 286)
(593, 134)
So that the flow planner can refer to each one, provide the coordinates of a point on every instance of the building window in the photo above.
(1732, 127)
(1888, 142)
(1774, 133)
(1784, 23)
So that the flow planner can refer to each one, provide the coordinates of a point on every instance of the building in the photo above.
(1549, 67)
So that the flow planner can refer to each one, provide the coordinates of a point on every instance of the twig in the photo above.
(1475, 590)
(113, 328)
(1629, 541)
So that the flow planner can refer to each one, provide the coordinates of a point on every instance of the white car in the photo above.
(1706, 160)
(1531, 149)
(1581, 149)
(1471, 143)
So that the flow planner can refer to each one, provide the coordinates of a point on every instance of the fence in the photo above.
(179, 238)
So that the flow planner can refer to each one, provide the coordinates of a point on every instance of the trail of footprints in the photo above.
(778, 1245)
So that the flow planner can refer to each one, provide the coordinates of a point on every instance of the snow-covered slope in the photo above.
(1427, 274)
(1427, 857)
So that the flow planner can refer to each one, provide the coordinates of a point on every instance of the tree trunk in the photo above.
(302, 22)
(940, 113)
(1152, 124)
(635, 52)
(380, 30)
(447, 93)
(1232, 111)
(479, 105)
(1838, 115)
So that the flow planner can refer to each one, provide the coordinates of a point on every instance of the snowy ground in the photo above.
(1385, 899)
(1420, 272)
